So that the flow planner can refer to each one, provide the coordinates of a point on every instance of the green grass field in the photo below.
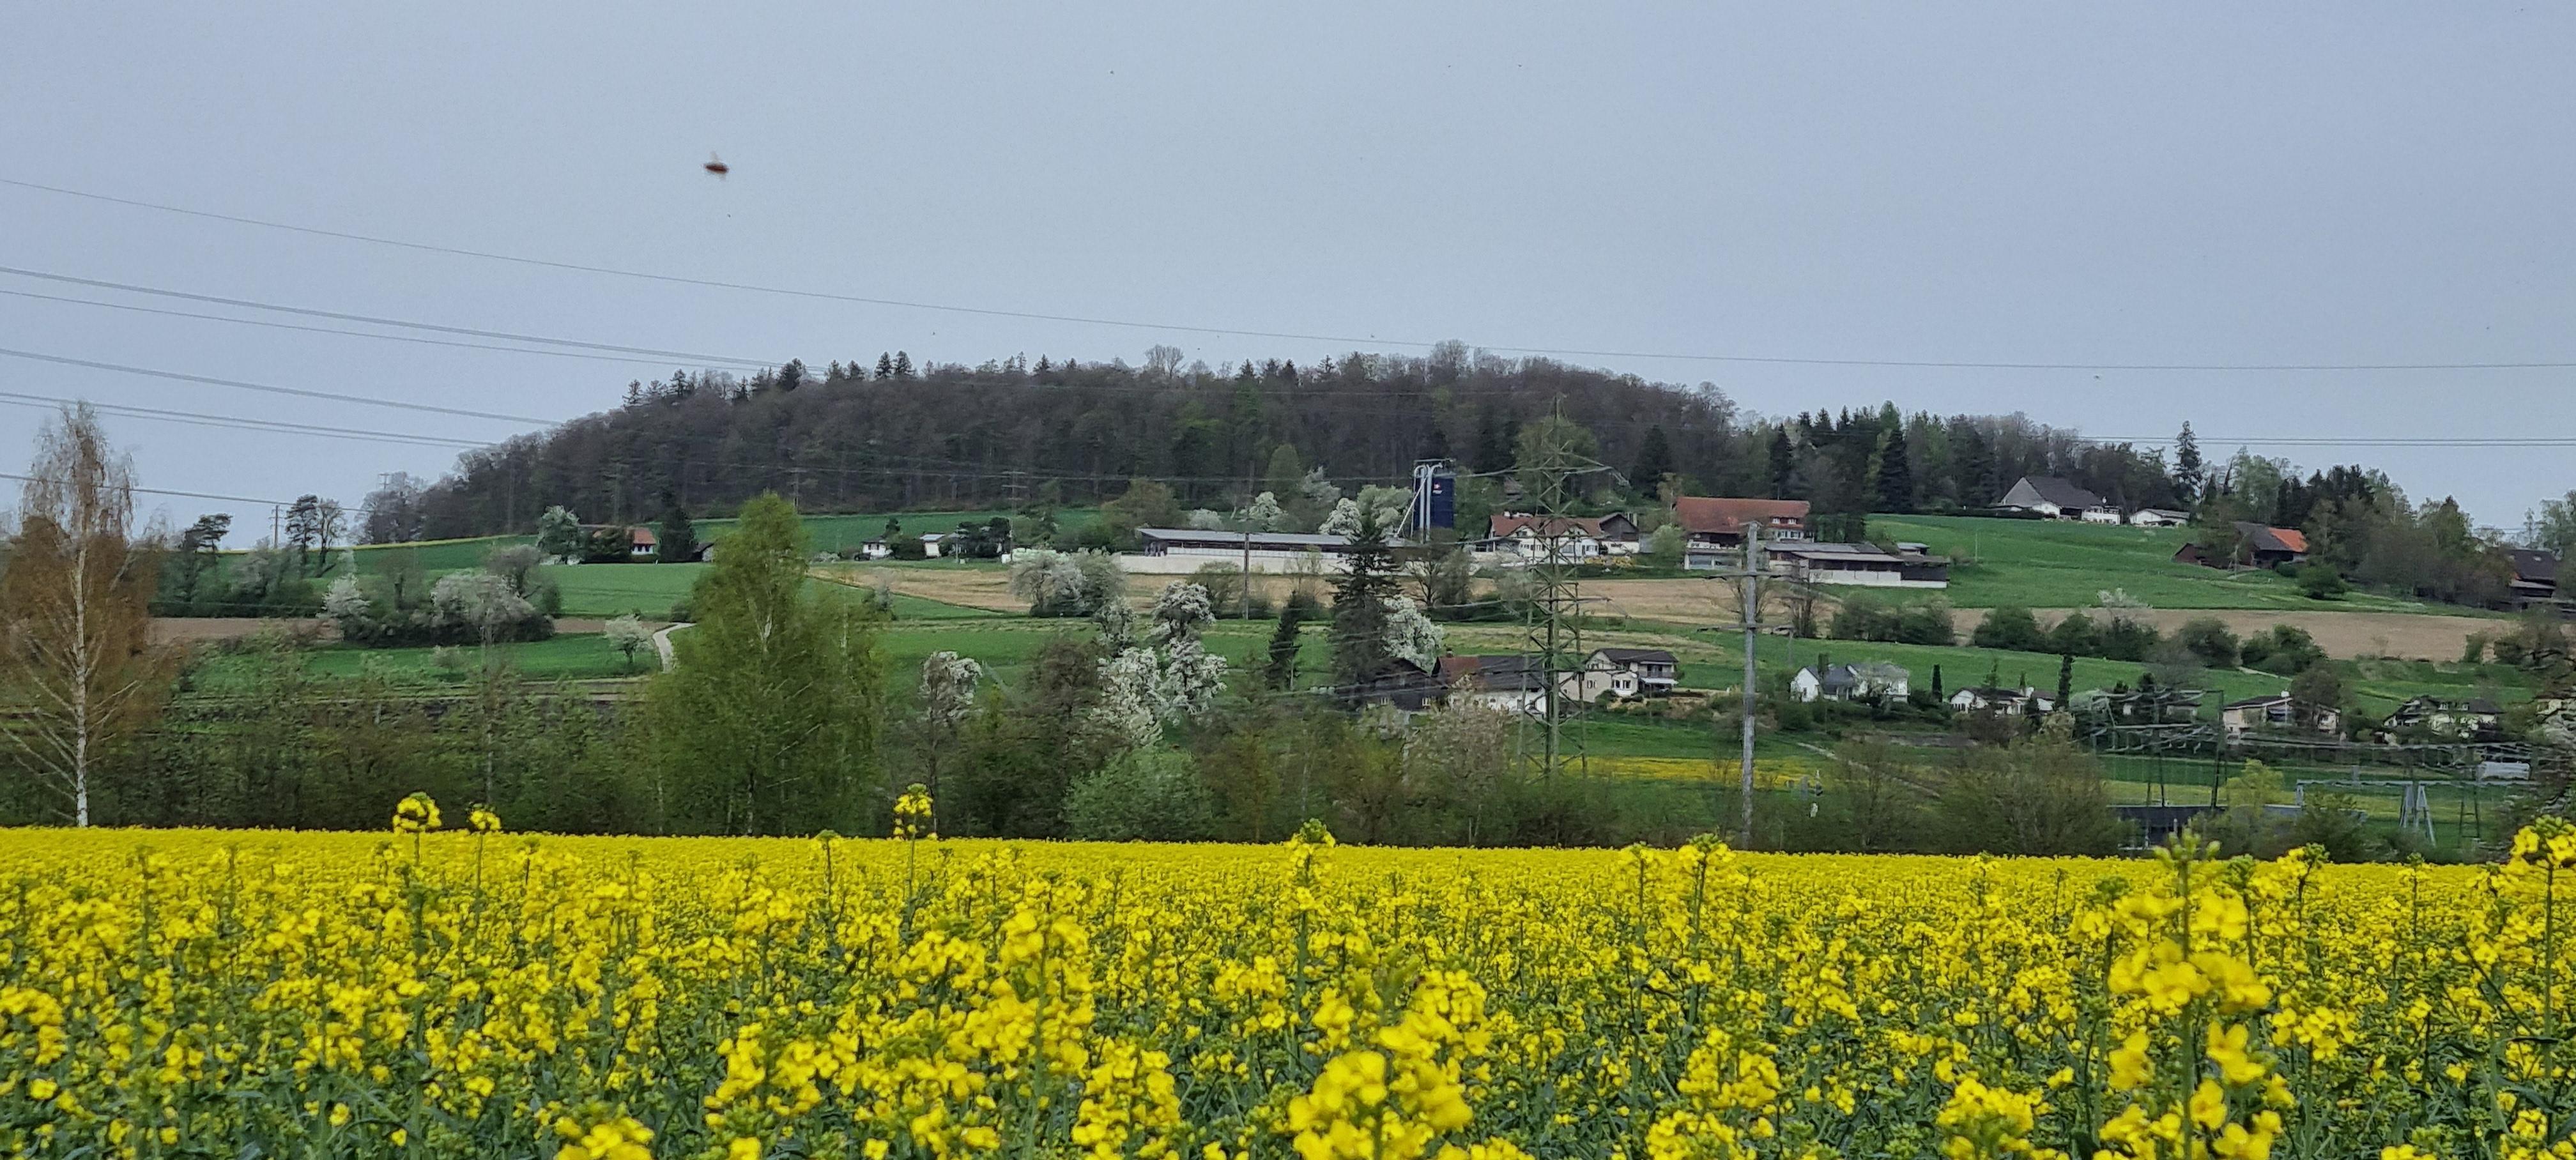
(568, 657)
(2062, 564)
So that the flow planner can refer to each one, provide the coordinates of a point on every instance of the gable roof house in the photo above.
(2049, 495)
(1714, 523)
(1987, 699)
(1622, 673)
(2158, 518)
(1400, 685)
(2279, 713)
(2257, 546)
(1576, 537)
(1850, 682)
(641, 544)
(1512, 683)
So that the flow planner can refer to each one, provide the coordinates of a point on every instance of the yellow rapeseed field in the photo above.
(463, 991)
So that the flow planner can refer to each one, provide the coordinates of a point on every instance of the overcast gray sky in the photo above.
(2321, 183)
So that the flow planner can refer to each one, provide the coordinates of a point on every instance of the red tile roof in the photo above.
(1709, 515)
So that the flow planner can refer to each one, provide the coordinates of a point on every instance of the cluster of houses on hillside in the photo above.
(2057, 498)
(1518, 684)
(1713, 529)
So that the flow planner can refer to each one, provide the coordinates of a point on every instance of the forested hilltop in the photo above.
(888, 435)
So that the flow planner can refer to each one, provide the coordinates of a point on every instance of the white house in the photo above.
(1576, 537)
(1622, 673)
(2049, 495)
(2159, 518)
(1984, 699)
(1850, 682)
(2101, 514)
(930, 543)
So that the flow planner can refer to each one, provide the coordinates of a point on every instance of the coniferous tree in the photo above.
(885, 365)
(1895, 472)
(2187, 466)
(1784, 462)
(902, 366)
(1654, 461)
(678, 538)
(1360, 595)
(1280, 669)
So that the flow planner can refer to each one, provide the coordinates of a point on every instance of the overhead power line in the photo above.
(413, 338)
(355, 508)
(372, 320)
(275, 390)
(240, 422)
(1183, 328)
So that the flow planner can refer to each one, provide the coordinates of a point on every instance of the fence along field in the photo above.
(478, 993)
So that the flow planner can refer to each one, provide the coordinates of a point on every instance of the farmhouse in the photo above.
(2268, 546)
(1988, 699)
(2049, 495)
(1714, 524)
(1401, 685)
(1859, 682)
(1866, 565)
(1622, 673)
(1512, 683)
(2280, 713)
(2257, 546)
(1655, 669)
(1575, 537)
(641, 544)
(2158, 518)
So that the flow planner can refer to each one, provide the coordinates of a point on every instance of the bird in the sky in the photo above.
(716, 165)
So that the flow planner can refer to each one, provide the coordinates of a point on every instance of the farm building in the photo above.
(1575, 537)
(2158, 518)
(2280, 713)
(2535, 577)
(1987, 699)
(2052, 496)
(1830, 682)
(1716, 524)
(1512, 683)
(1866, 565)
(1183, 550)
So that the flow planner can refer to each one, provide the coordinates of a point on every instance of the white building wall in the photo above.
(1183, 561)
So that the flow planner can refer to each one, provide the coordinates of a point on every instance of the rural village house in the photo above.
(1576, 537)
(1622, 673)
(1716, 525)
(1831, 682)
(1987, 699)
(2279, 713)
(2052, 496)
(1511, 683)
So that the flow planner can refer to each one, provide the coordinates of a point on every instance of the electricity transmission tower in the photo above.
(1555, 623)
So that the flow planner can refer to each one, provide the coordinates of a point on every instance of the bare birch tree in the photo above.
(75, 621)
